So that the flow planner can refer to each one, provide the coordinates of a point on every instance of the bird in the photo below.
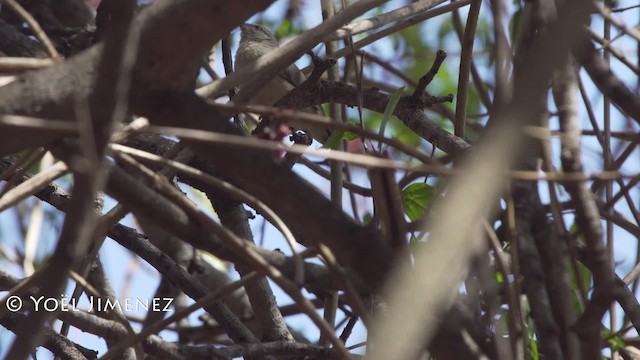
(255, 42)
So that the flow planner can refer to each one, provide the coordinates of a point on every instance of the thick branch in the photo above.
(317, 278)
(606, 81)
(59, 345)
(170, 54)
(587, 216)
(298, 203)
(409, 111)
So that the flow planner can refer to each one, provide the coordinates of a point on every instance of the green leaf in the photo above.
(413, 40)
(388, 111)
(406, 135)
(415, 199)
(585, 276)
(534, 354)
(445, 124)
(614, 340)
(338, 136)
(585, 280)
(348, 136)
(334, 140)
(366, 218)
(533, 349)
(371, 122)
(285, 28)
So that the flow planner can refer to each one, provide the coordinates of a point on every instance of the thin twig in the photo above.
(10, 64)
(465, 68)
(210, 298)
(233, 191)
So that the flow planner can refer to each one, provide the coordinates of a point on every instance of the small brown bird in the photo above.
(256, 41)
